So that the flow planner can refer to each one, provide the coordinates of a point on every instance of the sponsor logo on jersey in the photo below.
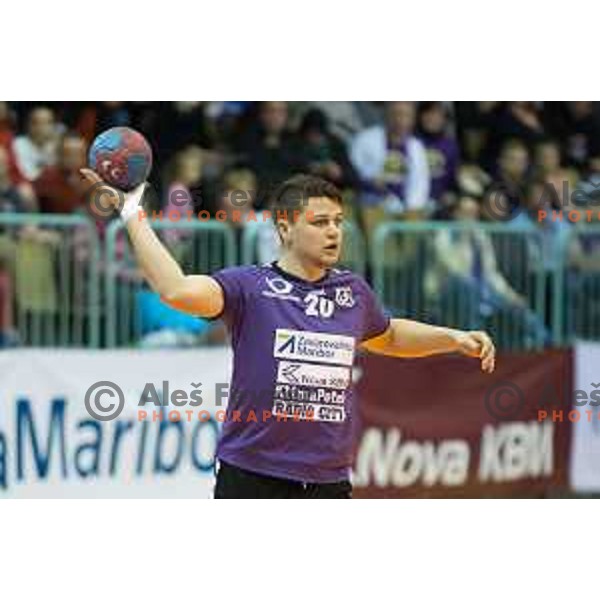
(344, 297)
(279, 285)
(310, 346)
(313, 375)
(305, 411)
(279, 288)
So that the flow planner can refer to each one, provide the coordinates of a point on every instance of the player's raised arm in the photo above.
(406, 338)
(196, 294)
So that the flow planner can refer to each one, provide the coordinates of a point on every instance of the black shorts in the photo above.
(233, 482)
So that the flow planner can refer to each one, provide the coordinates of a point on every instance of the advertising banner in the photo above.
(51, 446)
(585, 447)
(439, 427)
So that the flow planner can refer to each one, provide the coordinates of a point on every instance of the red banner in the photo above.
(439, 427)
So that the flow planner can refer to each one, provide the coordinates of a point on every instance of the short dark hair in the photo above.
(293, 194)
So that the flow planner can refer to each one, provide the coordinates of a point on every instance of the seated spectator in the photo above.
(183, 187)
(347, 118)
(184, 180)
(24, 267)
(164, 327)
(583, 261)
(466, 286)
(442, 151)
(7, 136)
(99, 116)
(267, 148)
(473, 125)
(322, 153)
(511, 180)
(540, 197)
(582, 134)
(222, 120)
(37, 149)
(11, 201)
(60, 188)
(520, 121)
(178, 126)
(549, 170)
(236, 201)
(545, 243)
(391, 162)
(237, 196)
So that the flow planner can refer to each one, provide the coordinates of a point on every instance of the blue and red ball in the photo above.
(122, 157)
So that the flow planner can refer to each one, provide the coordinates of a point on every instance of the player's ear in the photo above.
(282, 229)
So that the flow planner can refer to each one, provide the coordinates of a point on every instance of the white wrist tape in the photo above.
(133, 203)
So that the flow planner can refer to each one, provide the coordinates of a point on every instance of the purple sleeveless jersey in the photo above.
(294, 343)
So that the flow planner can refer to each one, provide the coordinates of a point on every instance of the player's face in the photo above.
(316, 237)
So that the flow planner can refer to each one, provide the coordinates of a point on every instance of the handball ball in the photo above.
(122, 157)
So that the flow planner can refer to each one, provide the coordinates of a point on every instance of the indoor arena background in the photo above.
(477, 215)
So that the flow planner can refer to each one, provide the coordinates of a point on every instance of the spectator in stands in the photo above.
(520, 121)
(546, 241)
(37, 149)
(267, 147)
(6, 125)
(346, 119)
(183, 195)
(391, 162)
(583, 261)
(466, 285)
(237, 203)
(322, 153)
(581, 134)
(511, 180)
(12, 201)
(561, 182)
(180, 125)
(7, 136)
(540, 199)
(184, 181)
(473, 124)
(237, 197)
(112, 114)
(99, 116)
(442, 150)
(59, 188)
(223, 118)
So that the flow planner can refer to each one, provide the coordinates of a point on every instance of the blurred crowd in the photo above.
(393, 161)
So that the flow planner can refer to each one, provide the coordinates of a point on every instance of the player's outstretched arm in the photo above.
(411, 339)
(196, 294)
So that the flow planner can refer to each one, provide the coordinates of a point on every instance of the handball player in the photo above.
(295, 327)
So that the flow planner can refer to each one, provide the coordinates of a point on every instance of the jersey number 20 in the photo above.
(318, 306)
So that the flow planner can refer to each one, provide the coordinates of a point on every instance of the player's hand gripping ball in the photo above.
(122, 157)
